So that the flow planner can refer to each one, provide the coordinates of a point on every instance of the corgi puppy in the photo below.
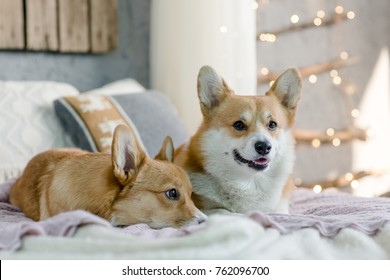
(241, 157)
(126, 187)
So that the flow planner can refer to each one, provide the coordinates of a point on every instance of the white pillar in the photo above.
(187, 34)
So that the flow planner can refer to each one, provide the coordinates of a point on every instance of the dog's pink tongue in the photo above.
(261, 161)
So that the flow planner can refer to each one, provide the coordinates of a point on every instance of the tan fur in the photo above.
(125, 188)
(221, 108)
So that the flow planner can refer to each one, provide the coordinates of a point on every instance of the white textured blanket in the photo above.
(325, 226)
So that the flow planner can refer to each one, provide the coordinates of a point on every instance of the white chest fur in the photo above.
(239, 189)
(241, 195)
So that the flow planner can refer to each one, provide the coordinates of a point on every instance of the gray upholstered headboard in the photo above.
(85, 71)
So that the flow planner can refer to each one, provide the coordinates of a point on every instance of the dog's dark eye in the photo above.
(172, 194)
(239, 125)
(272, 125)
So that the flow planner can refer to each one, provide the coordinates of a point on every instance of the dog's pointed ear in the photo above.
(167, 150)
(212, 89)
(287, 88)
(127, 155)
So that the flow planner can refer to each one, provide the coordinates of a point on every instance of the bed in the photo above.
(36, 116)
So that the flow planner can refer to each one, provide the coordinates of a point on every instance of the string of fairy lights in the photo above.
(330, 136)
(321, 19)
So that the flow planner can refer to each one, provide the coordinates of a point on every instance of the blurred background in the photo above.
(342, 50)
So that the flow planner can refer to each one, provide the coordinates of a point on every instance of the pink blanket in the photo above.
(328, 213)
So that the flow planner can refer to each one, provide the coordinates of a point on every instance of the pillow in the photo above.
(123, 86)
(90, 119)
(28, 124)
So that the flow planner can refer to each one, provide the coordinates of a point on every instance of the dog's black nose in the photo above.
(263, 148)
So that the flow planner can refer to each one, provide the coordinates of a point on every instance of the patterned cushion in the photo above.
(91, 119)
(28, 124)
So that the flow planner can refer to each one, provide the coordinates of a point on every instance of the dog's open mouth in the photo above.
(257, 164)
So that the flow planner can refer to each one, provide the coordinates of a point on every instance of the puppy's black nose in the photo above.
(263, 148)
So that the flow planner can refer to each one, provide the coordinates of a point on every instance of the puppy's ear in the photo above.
(212, 89)
(127, 155)
(287, 88)
(167, 150)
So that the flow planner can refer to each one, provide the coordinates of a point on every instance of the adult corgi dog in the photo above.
(126, 187)
(241, 157)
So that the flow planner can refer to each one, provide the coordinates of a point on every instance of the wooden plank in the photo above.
(104, 25)
(73, 25)
(11, 24)
(113, 34)
(41, 25)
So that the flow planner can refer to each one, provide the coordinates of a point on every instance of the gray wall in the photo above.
(131, 59)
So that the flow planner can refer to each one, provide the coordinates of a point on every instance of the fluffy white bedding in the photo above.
(223, 238)
(325, 226)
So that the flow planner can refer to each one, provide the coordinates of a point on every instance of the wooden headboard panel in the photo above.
(84, 70)
(59, 25)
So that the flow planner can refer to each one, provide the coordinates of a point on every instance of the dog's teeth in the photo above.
(258, 164)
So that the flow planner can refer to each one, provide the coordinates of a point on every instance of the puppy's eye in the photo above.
(172, 194)
(272, 125)
(240, 126)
